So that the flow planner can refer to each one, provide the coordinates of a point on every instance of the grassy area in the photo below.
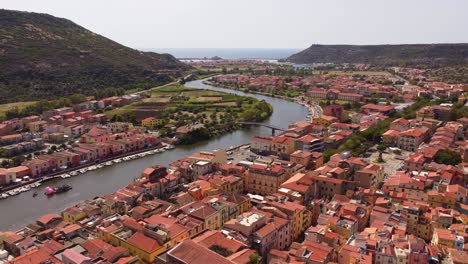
(180, 105)
(368, 73)
(19, 105)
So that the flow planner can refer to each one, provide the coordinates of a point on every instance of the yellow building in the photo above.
(73, 215)
(437, 199)
(140, 245)
(300, 217)
(283, 145)
(447, 239)
(324, 120)
(151, 122)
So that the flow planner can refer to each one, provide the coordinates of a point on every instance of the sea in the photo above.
(225, 53)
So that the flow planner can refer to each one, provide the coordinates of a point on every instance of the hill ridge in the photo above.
(43, 56)
(426, 55)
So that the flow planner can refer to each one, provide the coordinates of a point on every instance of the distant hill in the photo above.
(42, 56)
(425, 55)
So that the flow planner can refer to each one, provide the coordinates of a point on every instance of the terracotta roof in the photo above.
(35, 256)
(45, 219)
(211, 238)
(190, 252)
(266, 230)
(243, 256)
(95, 246)
(143, 242)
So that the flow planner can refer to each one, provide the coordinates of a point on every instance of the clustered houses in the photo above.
(56, 124)
(409, 134)
(426, 86)
(98, 138)
(288, 207)
(96, 145)
(327, 87)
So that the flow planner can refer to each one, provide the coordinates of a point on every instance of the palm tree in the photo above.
(381, 148)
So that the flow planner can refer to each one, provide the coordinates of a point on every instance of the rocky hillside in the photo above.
(425, 55)
(42, 56)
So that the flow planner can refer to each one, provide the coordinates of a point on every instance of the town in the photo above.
(376, 174)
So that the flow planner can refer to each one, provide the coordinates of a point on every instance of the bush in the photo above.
(447, 157)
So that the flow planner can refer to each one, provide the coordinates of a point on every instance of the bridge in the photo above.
(273, 128)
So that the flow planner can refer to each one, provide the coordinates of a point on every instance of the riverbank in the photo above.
(24, 209)
(58, 174)
(314, 109)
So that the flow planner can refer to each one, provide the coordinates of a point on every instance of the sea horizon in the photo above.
(227, 53)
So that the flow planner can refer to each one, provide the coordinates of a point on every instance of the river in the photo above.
(20, 210)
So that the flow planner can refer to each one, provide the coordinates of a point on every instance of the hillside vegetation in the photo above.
(423, 55)
(42, 56)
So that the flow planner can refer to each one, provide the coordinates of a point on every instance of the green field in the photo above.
(180, 105)
(19, 105)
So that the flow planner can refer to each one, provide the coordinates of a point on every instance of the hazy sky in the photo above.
(261, 23)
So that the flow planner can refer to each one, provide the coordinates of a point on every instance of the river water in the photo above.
(20, 210)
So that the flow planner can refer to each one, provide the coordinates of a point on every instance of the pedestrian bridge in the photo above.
(273, 128)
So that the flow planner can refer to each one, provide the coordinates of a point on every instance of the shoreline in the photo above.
(311, 107)
(58, 174)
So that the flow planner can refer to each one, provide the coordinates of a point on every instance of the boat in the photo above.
(63, 188)
(64, 176)
(4, 195)
(73, 173)
(117, 160)
(170, 147)
(100, 166)
(49, 191)
(91, 168)
(82, 170)
(109, 163)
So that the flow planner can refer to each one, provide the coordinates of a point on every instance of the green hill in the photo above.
(42, 56)
(424, 55)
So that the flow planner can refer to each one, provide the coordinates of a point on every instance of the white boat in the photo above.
(126, 158)
(73, 173)
(100, 166)
(118, 160)
(4, 196)
(65, 176)
(108, 163)
(90, 168)
(82, 170)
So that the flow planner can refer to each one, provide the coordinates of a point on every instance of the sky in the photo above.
(147, 24)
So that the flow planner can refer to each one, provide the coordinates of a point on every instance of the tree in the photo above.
(381, 148)
(447, 157)
(221, 250)
(254, 258)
